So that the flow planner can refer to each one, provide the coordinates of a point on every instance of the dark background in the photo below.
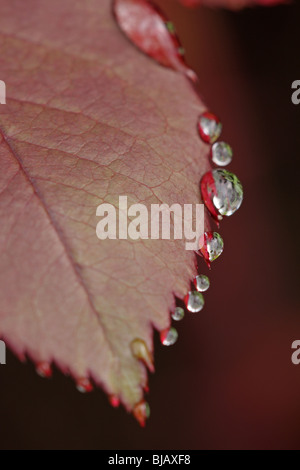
(229, 382)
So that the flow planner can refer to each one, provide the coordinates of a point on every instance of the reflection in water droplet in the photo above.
(84, 386)
(209, 127)
(212, 246)
(178, 314)
(221, 192)
(169, 337)
(140, 351)
(221, 153)
(194, 302)
(44, 370)
(141, 412)
(202, 283)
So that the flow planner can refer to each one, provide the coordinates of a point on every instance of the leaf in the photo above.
(149, 29)
(233, 4)
(88, 118)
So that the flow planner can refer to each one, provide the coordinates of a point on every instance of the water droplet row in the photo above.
(221, 190)
(194, 303)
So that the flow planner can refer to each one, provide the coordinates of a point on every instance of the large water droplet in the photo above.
(211, 246)
(209, 127)
(140, 351)
(84, 386)
(221, 192)
(169, 337)
(194, 302)
(202, 283)
(44, 370)
(178, 314)
(221, 153)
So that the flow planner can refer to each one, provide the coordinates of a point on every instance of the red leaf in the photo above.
(152, 32)
(89, 118)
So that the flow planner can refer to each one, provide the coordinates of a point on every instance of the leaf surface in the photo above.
(89, 118)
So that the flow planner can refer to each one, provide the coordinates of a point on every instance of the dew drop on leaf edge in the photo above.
(178, 314)
(209, 127)
(169, 337)
(202, 283)
(194, 302)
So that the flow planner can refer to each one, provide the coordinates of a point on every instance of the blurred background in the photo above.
(229, 382)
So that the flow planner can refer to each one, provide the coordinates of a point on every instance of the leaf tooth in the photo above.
(84, 385)
(141, 412)
(43, 369)
(114, 401)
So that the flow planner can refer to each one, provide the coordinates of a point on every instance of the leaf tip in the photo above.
(44, 370)
(141, 412)
(141, 352)
(114, 400)
(84, 385)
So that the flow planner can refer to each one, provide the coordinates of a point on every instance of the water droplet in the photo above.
(169, 337)
(211, 246)
(221, 192)
(141, 352)
(84, 386)
(44, 370)
(141, 412)
(194, 301)
(170, 27)
(202, 283)
(178, 314)
(221, 153)
(209, 127)
(114, 401)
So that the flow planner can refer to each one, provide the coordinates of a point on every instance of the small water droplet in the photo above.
(171, 27)
(43, 369)
(114, 401)
(202, 283)
(194, 301)
(209, 127)
(169, 337)
(141, 352)
(221, 192)
(212, 246)
(84, 386)
(178, 314)
(221, 153)
(141, 412)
